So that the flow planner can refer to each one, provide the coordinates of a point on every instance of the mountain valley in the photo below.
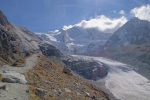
(75, 63)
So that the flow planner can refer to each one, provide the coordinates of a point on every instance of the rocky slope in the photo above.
(48, 81)
(130, 44)
(15, 42)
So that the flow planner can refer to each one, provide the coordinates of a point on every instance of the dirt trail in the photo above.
(16, 91)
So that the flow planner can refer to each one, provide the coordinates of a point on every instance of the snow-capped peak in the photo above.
(103, 23)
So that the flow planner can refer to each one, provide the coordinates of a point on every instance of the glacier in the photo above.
(123, 82)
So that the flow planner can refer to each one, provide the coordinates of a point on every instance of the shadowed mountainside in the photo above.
(130, 44)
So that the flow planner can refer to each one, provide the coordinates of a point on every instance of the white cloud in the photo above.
(122, 12)
(56, 31)
(67, 27)
(142, 12)
(103, 23)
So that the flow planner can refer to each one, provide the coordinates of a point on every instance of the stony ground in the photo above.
(42, 78)
(13, 85)
(48, 81)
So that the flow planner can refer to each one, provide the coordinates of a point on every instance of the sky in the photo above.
(48, 15)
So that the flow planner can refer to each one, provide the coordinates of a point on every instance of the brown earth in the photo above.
(47, 81)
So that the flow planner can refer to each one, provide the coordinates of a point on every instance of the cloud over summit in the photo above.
(142, 12)
(102, 22)
(110, 25)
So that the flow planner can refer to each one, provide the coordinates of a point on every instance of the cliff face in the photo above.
(88, 69)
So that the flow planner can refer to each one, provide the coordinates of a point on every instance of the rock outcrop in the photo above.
(87, 68)
(13, 77)
(49, 50)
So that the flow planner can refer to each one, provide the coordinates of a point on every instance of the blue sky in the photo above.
(47, 15)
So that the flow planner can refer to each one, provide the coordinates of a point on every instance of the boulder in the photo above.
(67, 90)
(49, 50)
(3, 87)
(67, 71)
(13, 77)
(40, 92)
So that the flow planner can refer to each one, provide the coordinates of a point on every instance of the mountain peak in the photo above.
(136, 20)
(3, 19)
(135, 31)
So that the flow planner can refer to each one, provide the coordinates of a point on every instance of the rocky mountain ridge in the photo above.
(135, 31)
(76, 40)
(130, 44)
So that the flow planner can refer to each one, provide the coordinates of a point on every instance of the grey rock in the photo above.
(67, 90)
(40, 92)
(3, 20)
(3, 87)
(13, 77)
(49, 50)
(87, 94)
(89, 69)
(67, 71)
